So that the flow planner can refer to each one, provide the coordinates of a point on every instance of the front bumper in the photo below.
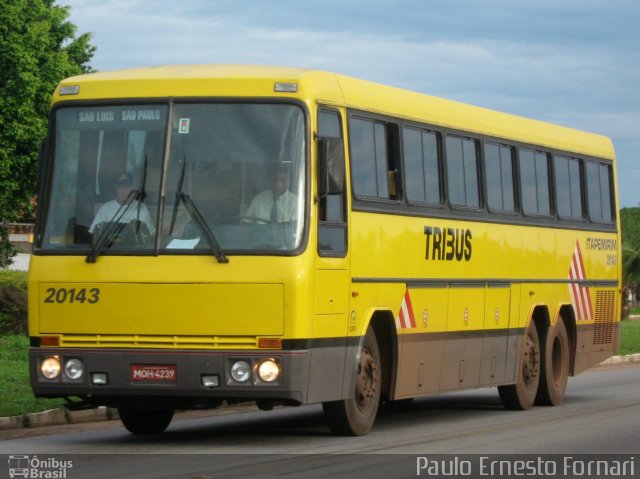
(189, 366)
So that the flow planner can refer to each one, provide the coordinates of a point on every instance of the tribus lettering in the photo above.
(447, 244)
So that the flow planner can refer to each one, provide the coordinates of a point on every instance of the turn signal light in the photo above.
(49, 341)
(270, 343)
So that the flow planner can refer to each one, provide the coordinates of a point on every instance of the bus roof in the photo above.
(331, 89)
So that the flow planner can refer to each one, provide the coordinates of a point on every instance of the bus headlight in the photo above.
(268, 370)
(50, 367)
(74, 369)
(241, 371)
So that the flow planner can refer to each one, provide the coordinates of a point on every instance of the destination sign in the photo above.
(102, 115)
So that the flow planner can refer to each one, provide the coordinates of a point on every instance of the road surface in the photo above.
(601, 415)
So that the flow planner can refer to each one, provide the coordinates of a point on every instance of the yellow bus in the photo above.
(220, 233)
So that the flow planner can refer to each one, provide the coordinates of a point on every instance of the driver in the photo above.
(136, 211)
(277, 204)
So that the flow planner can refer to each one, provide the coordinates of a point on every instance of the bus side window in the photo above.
(422, 166)
(499, 178)
(374, 146)
(462, 172)
(332, 225)
(534, 182)
(568, 187)
(599, 181)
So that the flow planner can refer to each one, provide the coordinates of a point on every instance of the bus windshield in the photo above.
(148, 179)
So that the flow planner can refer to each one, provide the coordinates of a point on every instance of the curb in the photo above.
(60, 416)
(629, 358)
(57, 417)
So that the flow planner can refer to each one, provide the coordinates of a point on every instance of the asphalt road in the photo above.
(601, 415)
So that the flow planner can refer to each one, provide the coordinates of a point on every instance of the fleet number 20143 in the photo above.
(72, 295)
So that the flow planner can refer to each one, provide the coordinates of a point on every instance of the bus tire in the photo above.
(522, 395)
(356, 416)
(555, 366)
(145, 421)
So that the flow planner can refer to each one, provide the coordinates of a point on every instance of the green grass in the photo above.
(629, 337)
(17, 396)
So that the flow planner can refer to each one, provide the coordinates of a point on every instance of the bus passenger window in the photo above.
(374, 158)
(599, 192)
(462, 172)
(499, 177)
(421, 162)
(534, 183)
(568, 188)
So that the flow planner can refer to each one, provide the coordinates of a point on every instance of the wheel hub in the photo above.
(531, 364)
(368, 375)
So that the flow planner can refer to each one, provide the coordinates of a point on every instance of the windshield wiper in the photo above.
(197, 217)
(114, 227)
(174, 213)
(142, 193)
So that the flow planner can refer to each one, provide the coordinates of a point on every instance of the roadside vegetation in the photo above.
(40, 47)
(13, 302)
(17, 397)
(630, 337)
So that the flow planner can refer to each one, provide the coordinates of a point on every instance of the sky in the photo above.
(570, 62)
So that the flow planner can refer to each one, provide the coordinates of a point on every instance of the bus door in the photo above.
(332, 290)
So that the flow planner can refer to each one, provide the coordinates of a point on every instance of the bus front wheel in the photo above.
(145, 421)
(355, 416)
(521, 396)
(555, 366)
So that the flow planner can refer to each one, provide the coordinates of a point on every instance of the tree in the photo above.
(630, 232)
(38, 48)
(7, 250)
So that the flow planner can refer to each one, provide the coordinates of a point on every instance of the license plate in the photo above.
(153, 372)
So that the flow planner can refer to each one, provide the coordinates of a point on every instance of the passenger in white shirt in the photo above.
(275, 205)
(136, 211)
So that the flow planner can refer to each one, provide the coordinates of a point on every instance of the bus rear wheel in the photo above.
(355, 416)
(555, 366)
(145, 421)
(521, 396)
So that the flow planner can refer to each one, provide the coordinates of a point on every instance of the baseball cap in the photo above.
(125, 179)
